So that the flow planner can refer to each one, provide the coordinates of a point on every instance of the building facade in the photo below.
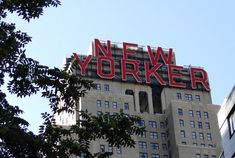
(173, 101)
(226, 119)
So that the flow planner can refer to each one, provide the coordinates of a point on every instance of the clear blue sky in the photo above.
(200, 32)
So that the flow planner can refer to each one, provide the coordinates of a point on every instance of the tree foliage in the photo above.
(27, 77)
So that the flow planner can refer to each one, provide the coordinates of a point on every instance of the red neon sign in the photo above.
(131, 66)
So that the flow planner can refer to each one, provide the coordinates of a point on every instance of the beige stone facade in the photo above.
(185, 128)
(180, 122)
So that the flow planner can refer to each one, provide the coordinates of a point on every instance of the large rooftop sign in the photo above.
(142, 66)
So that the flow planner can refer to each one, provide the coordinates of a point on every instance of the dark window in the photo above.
(126, 106)
(143, 135)
(202, 145)
(178, 96)
(183, 143)
(98, 103)
(194, 136)
(99, 113)
(231, 121)
(164, 147)
(97, 86)
(110, 149)
(197, 156)
(143, 102)
(106, 87)
(115, 105)
(198, 113)
(190, 112)
(155, 146)
(206, 115)
(188, 97)
(182, 133)
(163, 136)
(209, 138)
(206, 156)
(106, 104)
(141, 123)
(142, 145)
(201, 136)
(102, 148)
(143, 155)
(197, 98)
(162, 125)
(207, 125)
(181, 122)
(152, 124)
(153, 135)
(192, 124)
(199, 124)
(180, 112)
(119, 151)
(155, 156)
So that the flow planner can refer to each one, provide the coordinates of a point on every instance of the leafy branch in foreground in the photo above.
(26, 77)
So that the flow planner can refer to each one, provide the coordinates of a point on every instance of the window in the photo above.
(181, 122)
(154, 146)
(155, 156)
(180, 112)
(197, 156)
(199, 124)
(162, 125)
(114, 105)
(165, 156)
(194, 144)
(206, 115)
(110, 149)
(183, 143)
(190, 112)
(97, 86)
(202, 145)
(153, 135)
(141, 123)
(192, 124)
(201, 136)
(143, 135)
(81, 155)
(126, 106)
(207, 125)
(106, 104)
(206, 156)
(209, 138)
(188, 97)
(213, 156)
(210, 146)
(163, 136)
(99, 113)
(142, 145)
(182, 133)
(152, 124)
(197, 98)
(231, 121)
(106, 87)
(194, 136)
(143, 155)
(198, 113)
(178, 96)
(102, 148)
(164, 147)
(98, 103)
(119, 151)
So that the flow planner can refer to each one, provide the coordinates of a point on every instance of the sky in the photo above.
(200, 32)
